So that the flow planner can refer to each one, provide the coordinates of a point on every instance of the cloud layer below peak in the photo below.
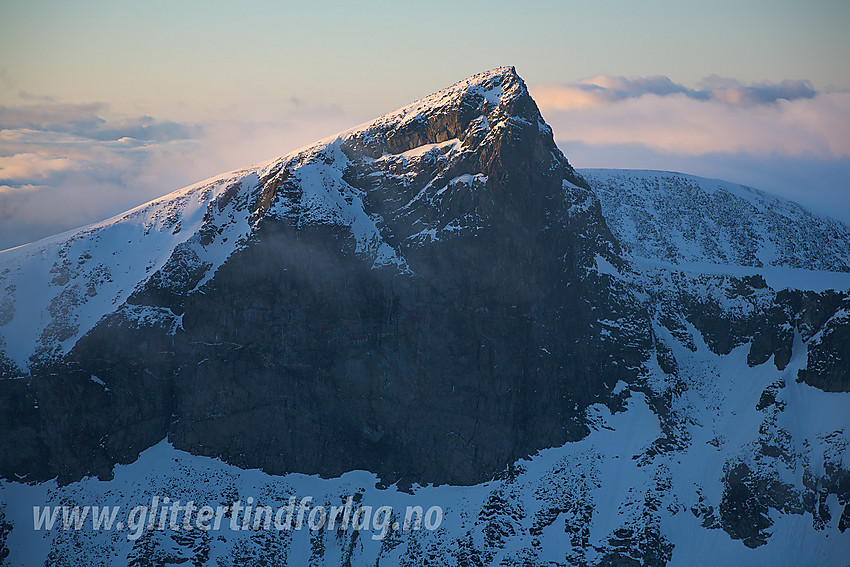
(786, 118)
(781, 137)
(68, 165)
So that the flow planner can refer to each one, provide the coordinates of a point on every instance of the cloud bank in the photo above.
(67, 165)
(605, 89)
(784, 137)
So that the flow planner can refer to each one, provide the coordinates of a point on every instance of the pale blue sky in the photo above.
(184, 58)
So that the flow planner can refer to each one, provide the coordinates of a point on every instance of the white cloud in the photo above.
(779, 137)
(64, 166)
(32, 166)
(677, 123)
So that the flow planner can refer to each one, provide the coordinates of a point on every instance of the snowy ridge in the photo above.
(57, 289)
(494, 86)
(684, 220)
(317, 184)
(488, 85)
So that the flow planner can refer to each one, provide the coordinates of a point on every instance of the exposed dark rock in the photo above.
(742, 515)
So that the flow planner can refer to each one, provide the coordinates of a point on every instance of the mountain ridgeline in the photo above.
(416, 297)
(430, 296)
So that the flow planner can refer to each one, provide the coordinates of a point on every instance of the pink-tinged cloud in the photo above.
(780, 137)
(730, 120)
(64, 166)
(32, 166)
(606, 89)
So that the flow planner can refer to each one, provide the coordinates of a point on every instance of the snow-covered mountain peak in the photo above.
(485, 104)
(410, 177)
(421, 172)
(435, 297)
(481, 93)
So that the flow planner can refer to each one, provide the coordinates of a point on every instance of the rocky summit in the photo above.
(616, 364)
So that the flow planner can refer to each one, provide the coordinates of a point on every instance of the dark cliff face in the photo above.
(486, 351)
(478, 343)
